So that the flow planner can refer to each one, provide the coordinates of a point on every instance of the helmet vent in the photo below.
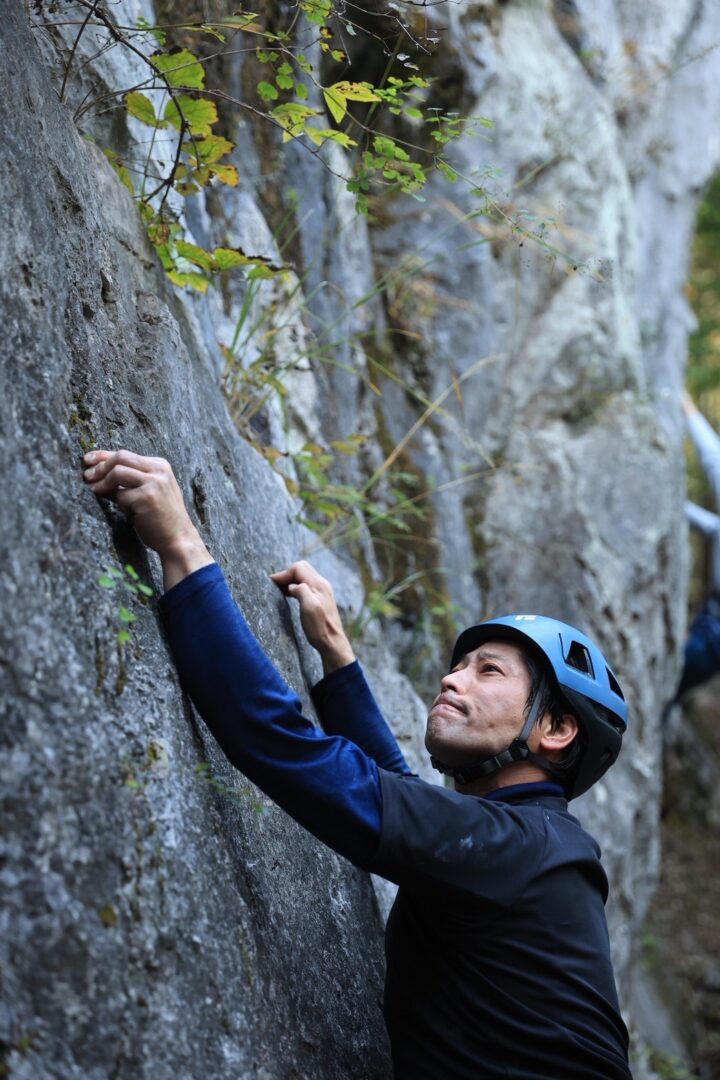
(614, 684)
(579, 657)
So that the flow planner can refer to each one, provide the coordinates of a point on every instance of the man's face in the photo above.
(481, 705)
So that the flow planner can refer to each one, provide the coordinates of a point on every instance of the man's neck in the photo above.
(519, 772)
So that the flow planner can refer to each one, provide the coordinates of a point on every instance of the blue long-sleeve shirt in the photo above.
(498, 956)
(327, 780)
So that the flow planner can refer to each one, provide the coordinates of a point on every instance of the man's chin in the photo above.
(440, 747)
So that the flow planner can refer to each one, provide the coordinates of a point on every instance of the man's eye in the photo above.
(492, 667)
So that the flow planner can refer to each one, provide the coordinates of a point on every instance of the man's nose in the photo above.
(454, 680)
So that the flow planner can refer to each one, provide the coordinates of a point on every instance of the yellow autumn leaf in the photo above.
(355, 91)
(226, 174)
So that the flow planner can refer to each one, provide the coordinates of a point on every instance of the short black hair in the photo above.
(544, 690)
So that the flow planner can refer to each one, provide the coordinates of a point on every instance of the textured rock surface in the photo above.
(159, 923)
(153, 925)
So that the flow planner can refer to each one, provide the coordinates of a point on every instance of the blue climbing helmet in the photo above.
(585, 680)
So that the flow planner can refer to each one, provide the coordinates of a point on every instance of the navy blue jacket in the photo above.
(497, 947)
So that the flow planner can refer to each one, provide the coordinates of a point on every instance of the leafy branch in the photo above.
(175, 97)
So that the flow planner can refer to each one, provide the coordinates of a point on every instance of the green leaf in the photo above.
(122, 171)
(413, 112)
(336, 103)
(208, 30)
(107, 582)
(285, 82)
(131, 572)
(230, 258)
(242, 22)
(145, 589)
(267, 91)
(126, 616)
(196, 255)
(386, 146)
(301, 90)
(159, 35)
(142, 108)
(199, 113)
(187, 188)
(181, 68)
(194, 281)
(202, 175)
(447, 170)
(262, 272)
(208, 151)
(321, 135)
(317, 10)
(293, 117)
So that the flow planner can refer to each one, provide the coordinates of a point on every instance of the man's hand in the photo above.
(147, 492)
(319, 613)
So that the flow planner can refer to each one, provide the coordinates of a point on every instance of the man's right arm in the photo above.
(327, 783)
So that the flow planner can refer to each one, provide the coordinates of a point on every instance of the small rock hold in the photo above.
(107, 290)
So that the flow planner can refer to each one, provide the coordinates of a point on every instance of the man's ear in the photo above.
(557, 736)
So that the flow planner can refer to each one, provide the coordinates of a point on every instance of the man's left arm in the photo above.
(344, 702)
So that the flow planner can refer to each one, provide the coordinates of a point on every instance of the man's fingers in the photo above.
(120, 476)
(283, 578)
(302, 592)
(301, 572)
(94, 456)
(101, 461)
(126, 498)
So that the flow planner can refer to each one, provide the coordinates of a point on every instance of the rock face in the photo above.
(161, 918)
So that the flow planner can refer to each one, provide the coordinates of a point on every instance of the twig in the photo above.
(93, 8)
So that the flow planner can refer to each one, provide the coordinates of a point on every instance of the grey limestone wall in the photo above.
(162, 919)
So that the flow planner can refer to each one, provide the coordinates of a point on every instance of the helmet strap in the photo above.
(517, 751)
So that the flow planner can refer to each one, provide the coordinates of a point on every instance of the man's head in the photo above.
(527, 688)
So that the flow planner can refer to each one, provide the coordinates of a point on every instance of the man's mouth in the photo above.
(447, 702)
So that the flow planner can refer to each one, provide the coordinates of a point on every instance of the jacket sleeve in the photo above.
(702, 648)
(327, 783)
(346, 706)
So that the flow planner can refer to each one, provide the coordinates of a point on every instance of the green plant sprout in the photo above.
(237, 794)
(128, 580)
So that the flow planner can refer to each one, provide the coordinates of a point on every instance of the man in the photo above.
(498, 960)
(702, 648)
